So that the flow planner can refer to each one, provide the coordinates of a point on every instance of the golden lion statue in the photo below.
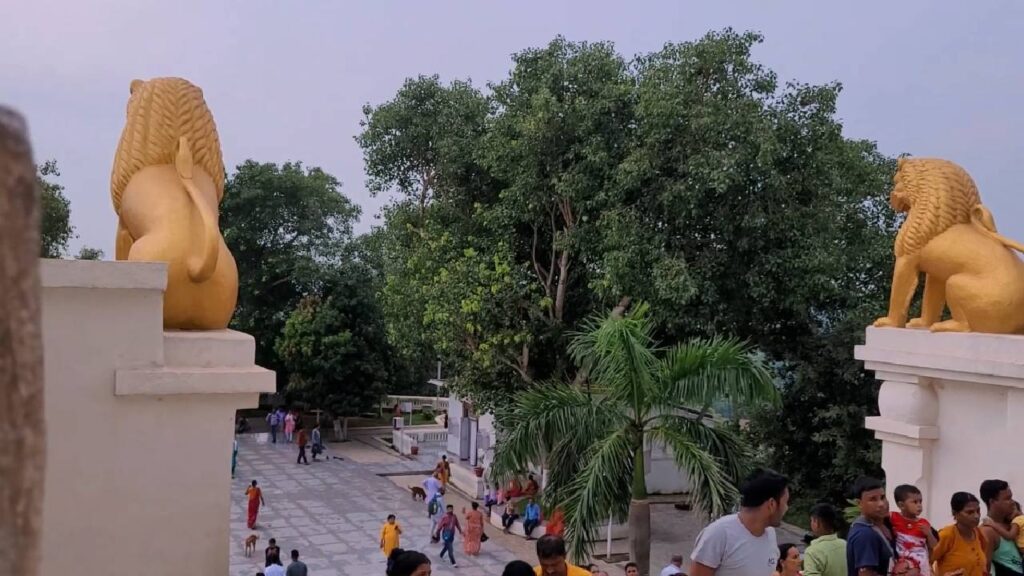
(951, 237)
(166, 185)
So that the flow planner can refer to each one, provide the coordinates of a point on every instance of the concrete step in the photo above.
(208, 349)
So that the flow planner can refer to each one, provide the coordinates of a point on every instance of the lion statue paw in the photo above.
(918, 323)
(887, 322)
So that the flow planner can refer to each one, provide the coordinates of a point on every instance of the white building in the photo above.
(471, 445)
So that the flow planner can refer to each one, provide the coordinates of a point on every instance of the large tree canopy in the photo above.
(286, 227)
(688, 178)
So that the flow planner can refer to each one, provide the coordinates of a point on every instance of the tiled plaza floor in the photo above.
(332, 512)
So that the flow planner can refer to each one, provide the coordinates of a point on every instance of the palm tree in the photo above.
(592, 439)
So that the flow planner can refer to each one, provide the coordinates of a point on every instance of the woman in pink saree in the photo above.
(289, 426)
(474, 530)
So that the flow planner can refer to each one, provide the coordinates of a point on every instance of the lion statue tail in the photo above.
(201, 265)
(982, 219)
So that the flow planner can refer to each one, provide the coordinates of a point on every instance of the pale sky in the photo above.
(286, 79)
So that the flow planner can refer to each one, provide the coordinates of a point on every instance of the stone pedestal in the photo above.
(140, 425)
(951, 410)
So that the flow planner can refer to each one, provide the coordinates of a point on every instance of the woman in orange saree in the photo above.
(474, 530)
(255, 499)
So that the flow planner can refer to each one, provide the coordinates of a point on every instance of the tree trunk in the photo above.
(640, 517)
(563, 283)
(22, 427)
(640, 534)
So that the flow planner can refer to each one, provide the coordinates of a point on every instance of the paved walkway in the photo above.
(332, 512)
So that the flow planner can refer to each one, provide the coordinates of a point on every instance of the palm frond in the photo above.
(711, 490)
(704, 370)
(719, 440)
(601, 489)
(619, 355)
(544, 422)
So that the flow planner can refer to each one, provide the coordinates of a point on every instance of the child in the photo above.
(913, 534)
(826, 554)
(1017, 527)
(390, 536)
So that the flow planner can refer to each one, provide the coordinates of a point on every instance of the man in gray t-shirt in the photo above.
(744, 544)
(296, 568)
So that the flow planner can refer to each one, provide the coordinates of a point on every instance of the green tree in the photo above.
(787, 235)
(56, 230)
(334, 345)
(89, 253)
(688, 178)
(592, 441)
(421, 143)
(285, 225)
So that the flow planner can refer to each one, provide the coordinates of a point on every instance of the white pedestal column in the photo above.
(140, 425)
(949, 410)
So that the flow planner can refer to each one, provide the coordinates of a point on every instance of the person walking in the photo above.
(302, 439)
(274, 419)
(234, 457)
(474, 530)
(296, 568)
(255, 500)
(443, 471)
(446, 529)
(435, 511)
(289, 426)
(317, 446)
(390, 536)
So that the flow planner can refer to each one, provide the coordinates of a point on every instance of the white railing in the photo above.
(418, 402)
(404, 439)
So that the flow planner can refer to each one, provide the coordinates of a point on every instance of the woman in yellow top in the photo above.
(390, 536)
(961, 547)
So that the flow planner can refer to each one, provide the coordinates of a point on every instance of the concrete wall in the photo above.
(950, 409)
(140, 425)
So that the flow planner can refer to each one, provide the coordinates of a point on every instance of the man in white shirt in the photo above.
(674, 567)
(274, 570)
(744, 544)
(432, 485)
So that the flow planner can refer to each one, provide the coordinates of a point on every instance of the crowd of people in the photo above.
(551, 561)
(273, 566)
(289, 424)
(879, 542)
(445, 525)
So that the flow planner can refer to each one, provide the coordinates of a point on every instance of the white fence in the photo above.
(418, 402)
(405, 438)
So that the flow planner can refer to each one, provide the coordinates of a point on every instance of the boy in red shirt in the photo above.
(913, 534)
